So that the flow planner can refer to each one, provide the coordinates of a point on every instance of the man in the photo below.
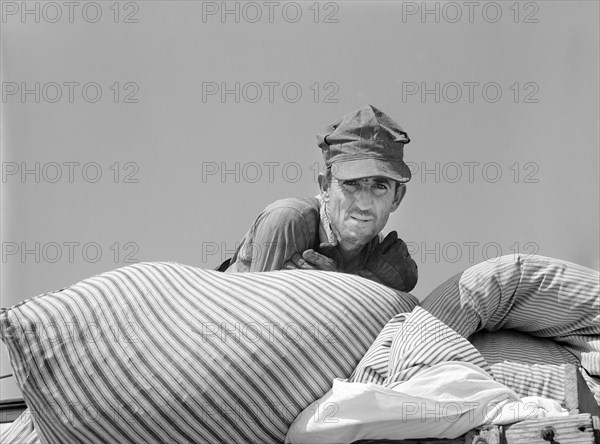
(340, 229)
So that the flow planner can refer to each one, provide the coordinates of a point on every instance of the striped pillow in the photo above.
(543, 297)
(162, 352)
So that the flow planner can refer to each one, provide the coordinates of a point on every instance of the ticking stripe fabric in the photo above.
(422, 342)
(555, 302)
(410, 343)
(530, 366)
(163, 352)
(20, 431)
(437, 386)
(374, 365)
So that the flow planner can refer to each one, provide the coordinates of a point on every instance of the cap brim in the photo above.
(356, 169)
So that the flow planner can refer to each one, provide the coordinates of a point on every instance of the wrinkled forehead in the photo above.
(368, 179)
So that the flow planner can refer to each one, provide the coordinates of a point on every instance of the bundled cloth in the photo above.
(420, 379)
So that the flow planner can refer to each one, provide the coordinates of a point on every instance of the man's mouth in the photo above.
(361, 219)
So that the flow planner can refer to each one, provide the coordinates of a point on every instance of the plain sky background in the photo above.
(508, 172)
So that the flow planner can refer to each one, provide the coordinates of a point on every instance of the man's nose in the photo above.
(364, 198)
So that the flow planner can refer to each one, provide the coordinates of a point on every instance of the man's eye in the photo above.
(380, 189)
(350, 185)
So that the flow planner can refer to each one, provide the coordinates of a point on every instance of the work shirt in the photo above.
(294, 225)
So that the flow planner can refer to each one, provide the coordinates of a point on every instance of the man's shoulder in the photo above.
(299, 206)
(296, 213)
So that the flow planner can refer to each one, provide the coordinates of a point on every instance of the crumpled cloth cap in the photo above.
(365, 143)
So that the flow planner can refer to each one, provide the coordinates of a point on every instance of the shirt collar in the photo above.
(325, 232)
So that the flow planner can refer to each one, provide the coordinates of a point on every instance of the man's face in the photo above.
(358, 209)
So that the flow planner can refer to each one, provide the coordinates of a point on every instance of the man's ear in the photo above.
(400, 193)
(325, 186)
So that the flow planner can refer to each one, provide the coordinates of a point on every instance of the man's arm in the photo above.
(277, 234)
(389, 263)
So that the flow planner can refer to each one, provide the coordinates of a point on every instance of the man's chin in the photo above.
(358, 238)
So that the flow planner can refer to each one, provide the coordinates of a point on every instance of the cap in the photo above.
(365, 143)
